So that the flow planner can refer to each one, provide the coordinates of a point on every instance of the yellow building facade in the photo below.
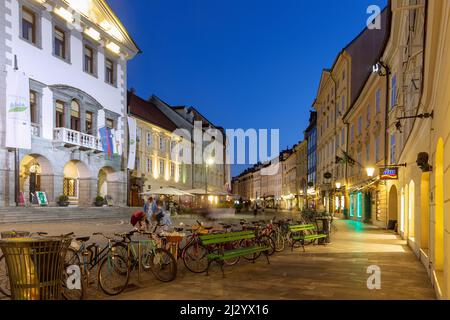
(419, 54)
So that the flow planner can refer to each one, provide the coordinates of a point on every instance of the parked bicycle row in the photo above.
(109, 260)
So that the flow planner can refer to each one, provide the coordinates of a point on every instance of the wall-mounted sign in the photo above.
(389, 173)
(327, 175)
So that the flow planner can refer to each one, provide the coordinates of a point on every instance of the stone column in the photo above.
(116, 190)
(58, 181)
(87, 191)
(48, 186)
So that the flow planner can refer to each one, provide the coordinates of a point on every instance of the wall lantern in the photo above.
(370, 172)
(338, 185)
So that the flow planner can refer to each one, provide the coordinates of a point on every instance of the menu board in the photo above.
(42, 198)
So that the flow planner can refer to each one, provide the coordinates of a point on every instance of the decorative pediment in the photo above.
(95, 19)
(67, 93)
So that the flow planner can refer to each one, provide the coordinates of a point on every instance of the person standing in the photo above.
(147, 206)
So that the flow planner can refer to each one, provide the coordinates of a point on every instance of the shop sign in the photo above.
(389, 173)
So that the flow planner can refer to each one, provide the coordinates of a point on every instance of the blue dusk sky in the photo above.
(242, 63)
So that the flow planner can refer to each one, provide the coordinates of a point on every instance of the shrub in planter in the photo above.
(63, 201)
(99, 201)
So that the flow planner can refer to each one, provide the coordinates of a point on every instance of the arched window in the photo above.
(75, 115)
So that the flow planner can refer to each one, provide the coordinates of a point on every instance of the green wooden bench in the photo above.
(218, 253)
(304, 232)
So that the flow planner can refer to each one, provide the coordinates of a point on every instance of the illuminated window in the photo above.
(89, 123)
(59, 114)
(75, 116)
(33, 107)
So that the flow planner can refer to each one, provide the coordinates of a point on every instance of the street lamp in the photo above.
(338, 185)
(370, 172)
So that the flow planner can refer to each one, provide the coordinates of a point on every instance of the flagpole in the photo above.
(16, 176)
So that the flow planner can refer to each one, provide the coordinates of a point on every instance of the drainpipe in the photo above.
(335, 130)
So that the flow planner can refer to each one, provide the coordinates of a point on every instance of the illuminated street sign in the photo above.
(389, 173)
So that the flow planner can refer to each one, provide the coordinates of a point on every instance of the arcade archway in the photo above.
(36, 174)
(108, 183)
(77, 183)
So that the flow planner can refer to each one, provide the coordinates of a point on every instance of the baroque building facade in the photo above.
(87, 49)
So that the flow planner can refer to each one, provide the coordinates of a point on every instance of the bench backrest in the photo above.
(226, 237)
(301, 227)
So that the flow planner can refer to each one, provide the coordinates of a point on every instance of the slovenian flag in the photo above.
(107, 141)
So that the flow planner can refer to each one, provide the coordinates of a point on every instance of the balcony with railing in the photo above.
(72, 138)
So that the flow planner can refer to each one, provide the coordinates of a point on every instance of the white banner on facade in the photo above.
(18, 120)
(131, 143)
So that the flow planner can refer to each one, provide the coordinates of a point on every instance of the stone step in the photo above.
(48, 214)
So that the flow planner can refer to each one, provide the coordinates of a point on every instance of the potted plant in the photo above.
(63, 201)
(99, 201)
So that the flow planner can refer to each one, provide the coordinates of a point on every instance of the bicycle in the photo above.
(154, 258)
(261, 239)
(112, 271)
(194, 254)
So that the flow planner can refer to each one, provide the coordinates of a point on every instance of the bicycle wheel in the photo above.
(231, 246)
(113, 275)
(121, 250)
(248, 243)
(267, 241)
(161, 263)
(195, 258)
(278, 240)
(73, 287)
(4, 278)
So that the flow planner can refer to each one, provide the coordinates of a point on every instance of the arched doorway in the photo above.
(393, 205)
(411, 211)
(108, 183)
(425, 211)
(36, 174)
(439, 209)
(77, 183)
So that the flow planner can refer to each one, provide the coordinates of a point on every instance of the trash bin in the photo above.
(14, 234)
(4, 277)
(35, 266)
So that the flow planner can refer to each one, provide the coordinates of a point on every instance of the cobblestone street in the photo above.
(337, 271)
